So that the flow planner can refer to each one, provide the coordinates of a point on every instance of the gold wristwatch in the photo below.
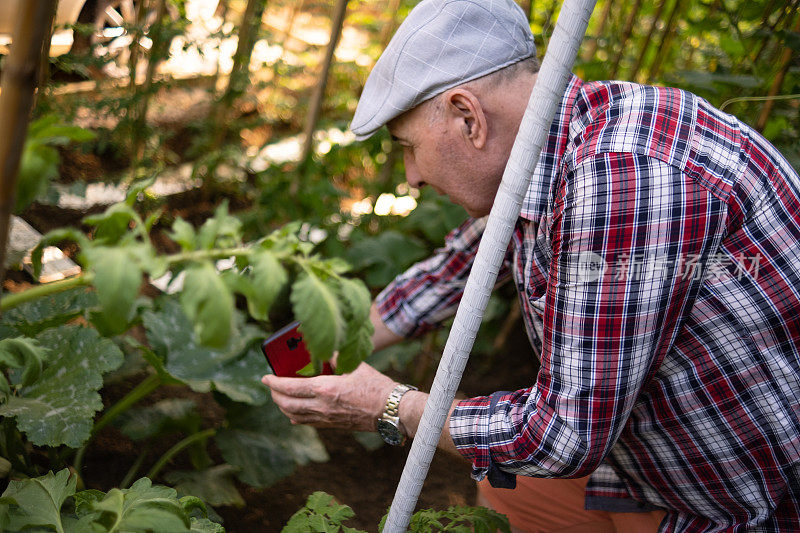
(389, 422)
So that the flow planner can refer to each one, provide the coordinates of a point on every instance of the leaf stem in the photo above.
(137, 464)
(12, 300)
(172, 452)
(148, 385)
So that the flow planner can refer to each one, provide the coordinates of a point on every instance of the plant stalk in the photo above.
(148, 385)
(137, 464)
(16, 99)
(145, 387)
(172, 452)
(13, 300)
(10, 301)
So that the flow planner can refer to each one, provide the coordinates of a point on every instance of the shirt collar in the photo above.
(535, 202)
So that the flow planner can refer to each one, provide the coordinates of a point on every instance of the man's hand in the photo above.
(351, 401)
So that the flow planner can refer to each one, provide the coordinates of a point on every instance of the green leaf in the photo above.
(321, 513)
(220, 231)
(269, 278)
(316, 307)
(383, 257)
(358, 334)
(161, 418)
(204, 525)
(208, 303)
(112, 225)
(38, 166)
(55, 237)
(23, 353)
(234, 370)
(264, 445)
(38, 501)
(59, 407)
(143, 507)
(214, 485)
(138, 188)
(183, 233)
(32, 317)
(117, 280)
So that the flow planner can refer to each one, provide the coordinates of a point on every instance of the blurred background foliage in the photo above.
(236, 102)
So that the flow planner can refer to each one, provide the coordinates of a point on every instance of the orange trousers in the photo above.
(556, 505)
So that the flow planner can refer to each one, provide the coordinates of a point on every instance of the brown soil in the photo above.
(365, 480)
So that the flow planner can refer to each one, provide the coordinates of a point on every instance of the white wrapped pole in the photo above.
(539, 114)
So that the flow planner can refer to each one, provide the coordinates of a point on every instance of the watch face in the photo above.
(390, 433)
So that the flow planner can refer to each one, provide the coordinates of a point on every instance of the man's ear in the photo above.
(465, 109)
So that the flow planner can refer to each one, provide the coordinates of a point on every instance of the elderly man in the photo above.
(670, 377)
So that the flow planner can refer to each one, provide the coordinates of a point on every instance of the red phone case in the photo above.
(286, 352)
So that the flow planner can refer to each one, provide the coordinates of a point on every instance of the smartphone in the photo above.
(286, 352)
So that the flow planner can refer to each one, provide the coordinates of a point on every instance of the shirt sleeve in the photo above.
(428, 292)
(630, 238)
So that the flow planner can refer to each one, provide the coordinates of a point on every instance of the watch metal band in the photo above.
(392, 409)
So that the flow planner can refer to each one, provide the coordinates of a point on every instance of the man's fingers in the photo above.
(297, 387)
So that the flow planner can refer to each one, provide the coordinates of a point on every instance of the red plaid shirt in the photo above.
(657, 259)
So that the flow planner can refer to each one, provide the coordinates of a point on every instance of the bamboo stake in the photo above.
(547, 93)
(16, 98)
(786, 61)
(315, 109)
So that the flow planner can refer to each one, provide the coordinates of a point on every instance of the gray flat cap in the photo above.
(441, 44)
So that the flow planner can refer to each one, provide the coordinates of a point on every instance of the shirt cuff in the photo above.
(469, 429)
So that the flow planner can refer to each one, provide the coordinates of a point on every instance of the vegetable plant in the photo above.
(59, 340)
(322, 513)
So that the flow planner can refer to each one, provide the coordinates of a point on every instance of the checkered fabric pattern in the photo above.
(441, 44)
(658, 265)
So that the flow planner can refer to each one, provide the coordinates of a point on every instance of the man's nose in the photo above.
(413, 176)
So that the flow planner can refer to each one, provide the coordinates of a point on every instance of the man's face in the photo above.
(437, 153)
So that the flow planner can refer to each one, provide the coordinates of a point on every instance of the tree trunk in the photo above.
(388, 29)
(770, 29)
(240, 71)
(287, 30)
(16, 98)
(315, 107)
(626, 35)
(157, 52)
(647, 40)
(138, 33)
(666, 38)
(786, 61)
(591, 47)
